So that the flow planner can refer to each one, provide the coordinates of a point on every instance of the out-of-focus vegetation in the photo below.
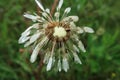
(100, 62)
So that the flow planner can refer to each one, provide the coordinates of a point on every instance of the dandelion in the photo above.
(56, 36)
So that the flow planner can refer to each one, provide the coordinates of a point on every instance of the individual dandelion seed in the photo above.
(57, 36)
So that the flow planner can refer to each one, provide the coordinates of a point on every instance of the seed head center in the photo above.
(59, 32)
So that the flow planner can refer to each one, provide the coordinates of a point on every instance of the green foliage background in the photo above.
(100, 62)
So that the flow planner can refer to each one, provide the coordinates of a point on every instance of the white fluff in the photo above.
(32, 17)
(81, 46)
(34, 54)
(35, 37)
(65, 64)
(47, 10)
(36, 25)
(59, 5)
(71, 18)
(79, 30)
(46, 57)
(37, 49)
(57, 15)
(72, 25)
(27, 31)
(75, 48)
(76, 58)
(88, 30)
(40, 5)
(74, 18)
(27, 44)
(59, 65)
(49, 65)
(67, 10)
(23, 39)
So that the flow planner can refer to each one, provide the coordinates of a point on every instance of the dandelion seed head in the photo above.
(59, 32)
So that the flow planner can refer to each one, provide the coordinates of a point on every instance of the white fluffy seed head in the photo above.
(59, 32)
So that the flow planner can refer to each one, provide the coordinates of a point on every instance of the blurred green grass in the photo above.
(100, 62)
